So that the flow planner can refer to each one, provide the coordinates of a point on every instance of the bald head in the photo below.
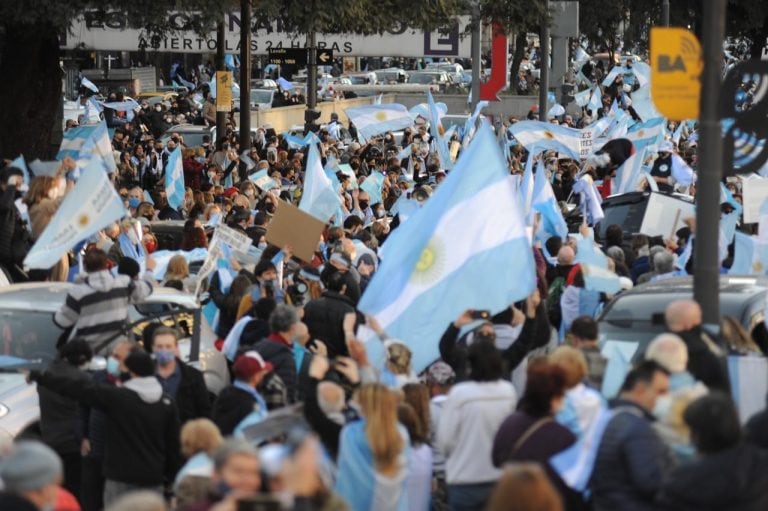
(565, 256)
(682, 315)
(330, 397)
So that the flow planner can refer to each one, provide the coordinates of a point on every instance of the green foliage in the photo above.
(515, 15)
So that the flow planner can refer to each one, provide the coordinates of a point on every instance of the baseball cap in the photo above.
(249, 364)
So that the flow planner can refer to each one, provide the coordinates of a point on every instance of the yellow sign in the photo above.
(676, 66)
(223, 91)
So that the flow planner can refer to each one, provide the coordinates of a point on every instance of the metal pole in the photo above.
(245, 75)
(665, 13)
(312, 70)
(544, 73)
(706, 278)
(476, 55)
(221, 117)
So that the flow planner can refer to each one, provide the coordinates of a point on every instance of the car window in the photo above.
(28, 334)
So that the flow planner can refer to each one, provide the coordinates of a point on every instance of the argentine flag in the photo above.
(373, 185)
(91, 205)
(434, 129)
(648, 134)
(372, 120)
(319, 198)
(454, 254)
(545, 203)
(594, 267)
(596, 101)
(628, 174)
(88, 142)
(263, 180)
(590, 203)
(547, 136)
(174, 179)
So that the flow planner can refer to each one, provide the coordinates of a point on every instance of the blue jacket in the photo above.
(631, 463)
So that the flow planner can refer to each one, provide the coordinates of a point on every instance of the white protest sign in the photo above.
(661, 211)
(754, 193)
(223, 235)
(585, 144)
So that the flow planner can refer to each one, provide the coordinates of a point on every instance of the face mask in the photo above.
(379, 213)
(150, 247)
(262, 246)
(222, 489)
(211, 175)
(164, 357)
(113, 367)
(363, 204)
(134, 202)
(158, 109)
(249, 193)
(270, 208)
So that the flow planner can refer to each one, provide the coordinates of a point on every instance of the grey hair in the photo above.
(656, 249)
(144, 500)
(232, 447)
(664, 262)
(615, 253)
(283, 318)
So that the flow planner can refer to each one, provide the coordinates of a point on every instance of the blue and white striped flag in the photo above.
(437, 266)
(263, 180)
(628, 175)
(434, 130)
(372, 120)
(589, 202)
(89, 207)
(319, 198)
(594, 267)
(582, 98)
(470, 126)
(596, 101)
(544, 201)
(648, 134)
(373, 185)
(85, 82)
(548, 136)
(174, 179)
(121, 106)
(85, 143)
(681, 172)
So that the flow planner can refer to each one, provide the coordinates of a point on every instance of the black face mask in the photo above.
(270, 208)
(363, 204)
(125, 376)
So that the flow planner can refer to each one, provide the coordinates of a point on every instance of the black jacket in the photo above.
(142, 438)
(535, 334)
(324, 318)
(231, 407)
(14, 237)
(12, 502)
(631, 462)
(756, 430)
(735, 479)
(327, 430)
(192, 398)
(703, 364)
(60, 416)
(280, 355)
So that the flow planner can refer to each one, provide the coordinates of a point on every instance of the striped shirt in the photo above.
(97, 308)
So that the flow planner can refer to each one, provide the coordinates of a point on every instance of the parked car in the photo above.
(29, 333)
(169, 233)
(193, 134)
(262, 99)
(637, 315)
(152, 98)
(439, 79)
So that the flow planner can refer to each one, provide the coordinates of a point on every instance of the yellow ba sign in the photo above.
(223, 91)
(676, 66)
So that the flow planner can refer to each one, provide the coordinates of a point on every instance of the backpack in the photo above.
(554, 293)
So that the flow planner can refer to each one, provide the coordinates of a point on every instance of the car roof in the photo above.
(48, 296)
(640, 303)
(189, 128)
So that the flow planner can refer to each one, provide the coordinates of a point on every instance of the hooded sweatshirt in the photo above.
(141, 427)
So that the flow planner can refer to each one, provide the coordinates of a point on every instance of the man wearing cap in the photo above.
(30, 476)
(661, 172)
(142, 426)
(241, 399)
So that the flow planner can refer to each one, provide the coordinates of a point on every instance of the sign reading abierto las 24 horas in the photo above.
(110, 30)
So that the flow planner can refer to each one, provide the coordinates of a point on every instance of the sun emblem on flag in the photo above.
(757, 267)
(641, 133)
(381, 116)
(431, 263)
(83, 220)
(549, 135)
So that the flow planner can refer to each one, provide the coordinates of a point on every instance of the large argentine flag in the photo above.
(319, 198)
(372, 120)
(548, 136)
(174, 179)
(454, 254)
(90, 206)
(88, 142)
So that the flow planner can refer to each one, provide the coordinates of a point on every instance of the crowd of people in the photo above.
(486, 426)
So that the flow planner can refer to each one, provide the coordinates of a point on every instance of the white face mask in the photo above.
(662, 407)
(249, 193)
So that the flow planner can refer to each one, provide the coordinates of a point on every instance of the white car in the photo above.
(29, 333)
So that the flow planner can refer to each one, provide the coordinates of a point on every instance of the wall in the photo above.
(284, 118)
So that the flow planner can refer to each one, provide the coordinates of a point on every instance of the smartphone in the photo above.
(481, 315)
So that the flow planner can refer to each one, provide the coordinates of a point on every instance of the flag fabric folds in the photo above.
(548, 136)
(89, 207)
(545, 203)
(589, 201)
(174, 179)
(372, 120)
(319, 198)
(437, 267)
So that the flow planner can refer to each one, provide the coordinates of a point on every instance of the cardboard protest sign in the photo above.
(665, 214)
(300, 230)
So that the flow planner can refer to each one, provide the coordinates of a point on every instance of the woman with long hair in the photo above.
(42, 200)
(373, 454)
(414, 415)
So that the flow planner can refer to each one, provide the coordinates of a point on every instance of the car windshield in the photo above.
(32, 335)
(424, 78)
(192, 139)
(261, 96)
(358, 80)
